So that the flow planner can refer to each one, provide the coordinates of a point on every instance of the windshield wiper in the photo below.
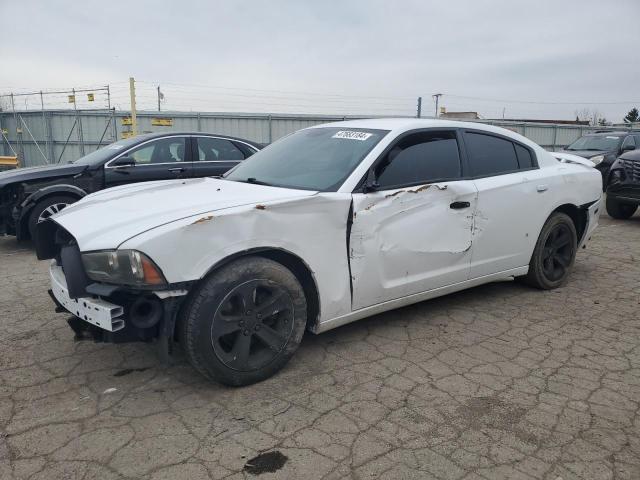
(255, 181)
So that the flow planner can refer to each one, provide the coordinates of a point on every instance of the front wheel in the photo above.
(554, 253)
(618, 210)
(244, 322)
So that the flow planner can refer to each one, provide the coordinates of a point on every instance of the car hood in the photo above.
(585, 153)
(35, 173)
(108, 218)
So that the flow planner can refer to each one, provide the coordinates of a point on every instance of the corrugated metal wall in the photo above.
(62, 135)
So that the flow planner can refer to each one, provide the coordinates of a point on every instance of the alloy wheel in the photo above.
(557, 253)
(252, 325)
(51, 210)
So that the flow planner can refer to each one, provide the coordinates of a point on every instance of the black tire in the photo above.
(618, 210)
(41, 207)
(236, 310)
(554, 253)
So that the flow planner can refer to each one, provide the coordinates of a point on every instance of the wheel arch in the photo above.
(30, 201)
(293, 262)
(579, 216)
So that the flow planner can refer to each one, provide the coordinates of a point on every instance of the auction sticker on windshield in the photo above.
(349, 135)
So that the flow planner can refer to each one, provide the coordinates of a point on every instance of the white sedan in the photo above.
(328, 225)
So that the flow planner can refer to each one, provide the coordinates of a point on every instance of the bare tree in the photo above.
(5, 104)
(589, 115)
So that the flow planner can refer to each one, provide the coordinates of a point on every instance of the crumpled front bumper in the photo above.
(99, 313)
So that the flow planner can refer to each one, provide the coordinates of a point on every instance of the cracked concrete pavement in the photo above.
(501, 381)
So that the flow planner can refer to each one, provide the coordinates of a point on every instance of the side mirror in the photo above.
(628, 148)
(370, 183)
(124, 162)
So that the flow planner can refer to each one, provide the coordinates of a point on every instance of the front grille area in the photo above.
(631, 169)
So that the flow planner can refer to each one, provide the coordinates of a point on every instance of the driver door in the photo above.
(413, 234)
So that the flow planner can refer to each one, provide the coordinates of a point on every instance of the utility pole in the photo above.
(419, 107)
(437, 98)
(132, 94)
(159, 96)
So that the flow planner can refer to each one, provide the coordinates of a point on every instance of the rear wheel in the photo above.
(619, 210)
(244, 322)
(554, 253)
(45, 209)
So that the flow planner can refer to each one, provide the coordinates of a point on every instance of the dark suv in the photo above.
(623, 185)
(602, 148)
(30, 195)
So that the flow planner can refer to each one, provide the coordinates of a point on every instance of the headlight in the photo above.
(122, 267)
(597, 159)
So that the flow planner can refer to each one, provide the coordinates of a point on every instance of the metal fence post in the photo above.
(270, 120)
(115, 127)
(79, 123)
(199, 128)
(555, 137)
(49, 134)
(21, 158)
(44, 128)
(4, 146)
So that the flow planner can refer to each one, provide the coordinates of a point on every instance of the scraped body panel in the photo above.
(410, 240)
(311, 227)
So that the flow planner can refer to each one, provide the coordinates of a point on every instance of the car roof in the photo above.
(400, 125)
(147, 136)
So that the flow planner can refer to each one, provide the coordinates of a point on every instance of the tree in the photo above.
(586, 114)
(602, 122)
(632, 116)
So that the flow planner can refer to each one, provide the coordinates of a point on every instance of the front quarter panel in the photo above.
(312, 228)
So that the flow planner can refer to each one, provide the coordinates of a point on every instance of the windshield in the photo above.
(105, 153)
(596, 143)
(313, 159)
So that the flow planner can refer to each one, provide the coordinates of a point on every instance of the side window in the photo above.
(420, 158)
(165, 150)
(217, 149)
(524, 157)
(489, 155)
(629, 141)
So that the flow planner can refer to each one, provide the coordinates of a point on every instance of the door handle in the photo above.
(542, 188)
(176, 170)
(459, 205)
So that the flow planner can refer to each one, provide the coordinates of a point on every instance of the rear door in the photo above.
(513, 201)
(163, 158)
(213, 156)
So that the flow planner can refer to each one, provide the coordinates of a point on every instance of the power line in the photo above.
(542, 102)
(271, 91)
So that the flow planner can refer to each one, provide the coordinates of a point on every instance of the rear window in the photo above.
(489, 155)
(524, 157)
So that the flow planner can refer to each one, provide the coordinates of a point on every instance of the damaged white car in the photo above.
(326, 226)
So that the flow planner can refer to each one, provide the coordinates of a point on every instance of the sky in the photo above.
(517, 59)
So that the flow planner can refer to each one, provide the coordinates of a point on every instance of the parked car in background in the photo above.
(30, 195)
(623, 185)
(602, 148)
(326, 226)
